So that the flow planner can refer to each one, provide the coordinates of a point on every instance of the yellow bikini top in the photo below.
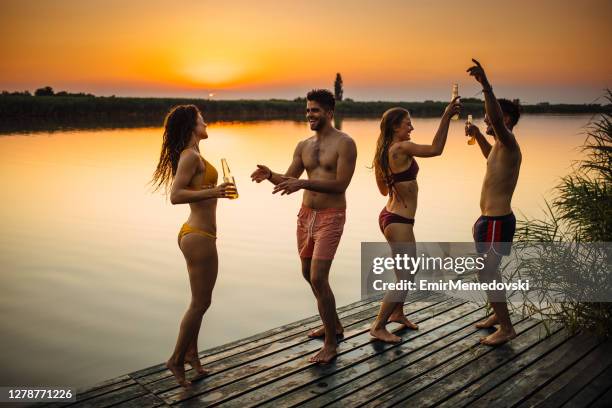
(210, 173)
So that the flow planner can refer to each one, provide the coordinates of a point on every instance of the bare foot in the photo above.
(194, 361)
(178, 370)
(320, 332)
(487, 323)
(325, 355)
(499, 337)
(383, 334)
(402, 319)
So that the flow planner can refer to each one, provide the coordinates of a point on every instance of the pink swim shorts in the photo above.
(319, 232)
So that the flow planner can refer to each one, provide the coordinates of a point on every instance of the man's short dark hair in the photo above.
(323, 97)
(512, 109)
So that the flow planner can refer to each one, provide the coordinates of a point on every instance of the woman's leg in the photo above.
(391, 310)
(192, 357)
(202, 263)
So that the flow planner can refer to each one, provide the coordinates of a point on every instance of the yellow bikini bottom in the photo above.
(188, 229)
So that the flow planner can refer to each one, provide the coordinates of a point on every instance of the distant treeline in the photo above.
(46, 91)
(66, 107)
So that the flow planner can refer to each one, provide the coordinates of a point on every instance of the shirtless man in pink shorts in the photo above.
(329, 160)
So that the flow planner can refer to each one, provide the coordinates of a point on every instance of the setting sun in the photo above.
(213, 73)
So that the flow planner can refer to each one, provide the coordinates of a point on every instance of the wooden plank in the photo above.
(315, 380)
(595, 392)
(286, 363)
(605, 400)
(529, 380)
(493, 379)
(102, 388)
(574, 379)
(270, 335)
(148, 400)
(163, 382)
(104, 385)
(429, 388)
(113, 398)
(400, 374)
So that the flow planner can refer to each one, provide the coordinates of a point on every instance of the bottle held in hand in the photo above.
(228, 178)
(472, 139)
(455, 94)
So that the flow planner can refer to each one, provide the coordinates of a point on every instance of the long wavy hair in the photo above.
(391, 119)
(179, 125)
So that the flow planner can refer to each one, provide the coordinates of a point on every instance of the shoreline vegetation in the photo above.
(580, 211)
(22, 111)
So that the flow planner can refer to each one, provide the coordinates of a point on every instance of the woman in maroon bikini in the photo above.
(396, 171)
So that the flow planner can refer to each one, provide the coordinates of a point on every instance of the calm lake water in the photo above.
(94, 285)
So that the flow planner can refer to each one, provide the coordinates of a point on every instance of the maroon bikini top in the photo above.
(409, 174)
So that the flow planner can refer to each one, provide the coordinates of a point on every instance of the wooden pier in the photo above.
(441, 364)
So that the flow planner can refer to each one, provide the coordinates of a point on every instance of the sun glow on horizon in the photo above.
(217, 73)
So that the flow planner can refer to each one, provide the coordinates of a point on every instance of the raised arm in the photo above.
(439, 141)
(347, 157)
(181, 193)
(494, 111)
(295, 170)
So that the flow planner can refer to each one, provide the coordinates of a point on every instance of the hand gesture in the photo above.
(288, 185)
(453, 108)
(477, 71)
(261, 173)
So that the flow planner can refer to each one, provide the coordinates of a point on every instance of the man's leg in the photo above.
(497, 299)
(481, 233)
(306, 262)
(487, 274)
(319, 332)
(319, 279)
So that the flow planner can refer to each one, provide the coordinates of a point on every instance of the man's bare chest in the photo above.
(317, 155)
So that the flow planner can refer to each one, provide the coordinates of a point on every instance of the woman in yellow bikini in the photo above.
(189, 178)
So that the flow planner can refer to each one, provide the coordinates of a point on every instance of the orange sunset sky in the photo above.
(556, 51)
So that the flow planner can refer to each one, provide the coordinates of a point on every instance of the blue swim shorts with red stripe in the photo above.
(494, 233)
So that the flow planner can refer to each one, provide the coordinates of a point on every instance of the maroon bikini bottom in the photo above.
(386, 217)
